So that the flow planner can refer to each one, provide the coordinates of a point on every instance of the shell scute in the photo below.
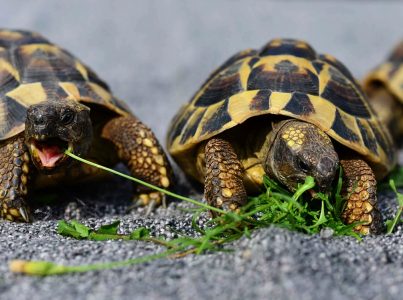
(216, 119)
(230, 61)
(338, 65)
(368, 136)
(195, 122)
(16, 38)
(12, 116)
(226, 84)
(300, 104)
(343, 94)
(261, 101)
(342, 129)
(284, 76)
(288, 47)
(7, 81)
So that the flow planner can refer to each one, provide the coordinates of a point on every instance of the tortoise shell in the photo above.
(286, 77)
(389, 74)
(33, 70)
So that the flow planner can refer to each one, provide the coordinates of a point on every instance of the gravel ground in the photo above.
(155, 54)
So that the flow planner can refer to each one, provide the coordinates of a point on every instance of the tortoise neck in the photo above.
(269, 144)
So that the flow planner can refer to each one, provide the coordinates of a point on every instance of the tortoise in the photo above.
(384, 87)
(50, 102)
(287, 112)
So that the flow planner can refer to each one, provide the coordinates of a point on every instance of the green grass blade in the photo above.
(45, 268)
(307, 185)
(149, 185)
(391, 224)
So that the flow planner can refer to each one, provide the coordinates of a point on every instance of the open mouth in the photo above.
(49, 153)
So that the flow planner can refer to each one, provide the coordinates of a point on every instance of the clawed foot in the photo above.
(15, 214)
(223, 186)
(361, 201)
(227, 204)
(364, 213)
(150, 200)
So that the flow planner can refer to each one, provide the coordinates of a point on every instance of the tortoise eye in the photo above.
(67, 117)
(303, 166)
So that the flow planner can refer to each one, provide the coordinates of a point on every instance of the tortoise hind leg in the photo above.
(223, 185)
(14, 169)
(360, 190)
(139, 149)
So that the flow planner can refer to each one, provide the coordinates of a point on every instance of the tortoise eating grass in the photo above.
(50, 102)
(287, 112)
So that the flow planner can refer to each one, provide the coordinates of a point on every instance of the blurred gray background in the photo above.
(154, 55)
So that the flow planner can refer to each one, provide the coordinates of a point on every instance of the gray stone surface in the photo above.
(154, 55)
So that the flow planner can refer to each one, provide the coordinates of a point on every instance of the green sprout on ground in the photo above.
(391, 224)
(299, 211)
(394, 181)
(106, 232)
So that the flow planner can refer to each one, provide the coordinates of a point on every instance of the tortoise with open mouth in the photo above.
(290, 113)
(49, 102)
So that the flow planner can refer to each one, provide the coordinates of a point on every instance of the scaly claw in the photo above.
(151, 200)
(150, 207)
(231, 206)
(24, 214)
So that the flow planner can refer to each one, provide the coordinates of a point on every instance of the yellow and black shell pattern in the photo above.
(33, 70)
(286, 77)
(389, 74)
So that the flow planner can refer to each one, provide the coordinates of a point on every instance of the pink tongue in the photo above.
(49, 155)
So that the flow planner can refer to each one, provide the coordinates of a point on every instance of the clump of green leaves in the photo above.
(301, 212)
(106, 232)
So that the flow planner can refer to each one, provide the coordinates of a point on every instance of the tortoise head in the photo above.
(52, 127)
(301, 149)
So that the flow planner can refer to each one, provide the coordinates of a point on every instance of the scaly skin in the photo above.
(223, 181)
(15, 166)
(360, 190)
(139, 149)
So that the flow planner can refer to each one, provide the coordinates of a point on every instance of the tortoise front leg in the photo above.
(139, 149)
(223, 185)
(360, 190)
(14, 169)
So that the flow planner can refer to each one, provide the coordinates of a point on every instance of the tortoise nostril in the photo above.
(39, 120)
(326, 165)
(326, 172)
